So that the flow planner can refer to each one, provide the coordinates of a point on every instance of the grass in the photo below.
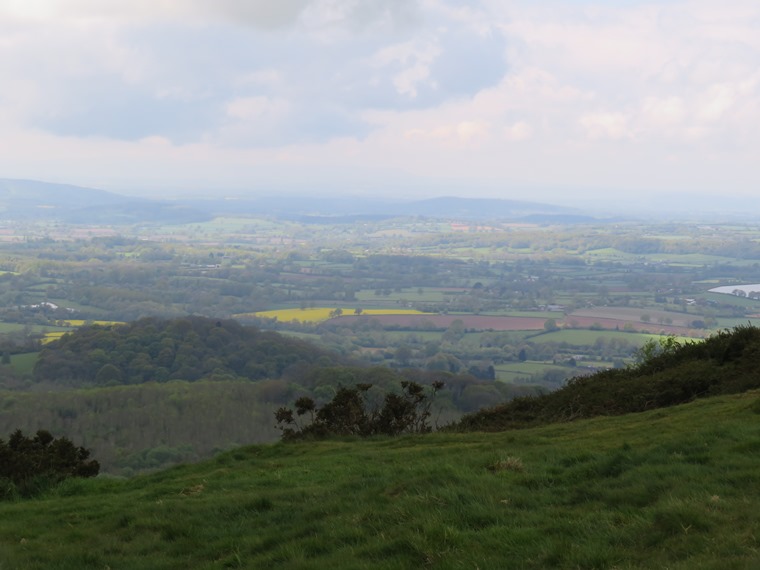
(583, 338)
(24, 363)
(526, 368)
(673, 488)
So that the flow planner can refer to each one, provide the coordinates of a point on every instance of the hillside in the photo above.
(669, 373)
(669, 488)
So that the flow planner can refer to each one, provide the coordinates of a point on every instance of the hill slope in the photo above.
(670, 488)
(668, 374)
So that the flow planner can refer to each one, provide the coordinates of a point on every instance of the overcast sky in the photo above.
(537, 99)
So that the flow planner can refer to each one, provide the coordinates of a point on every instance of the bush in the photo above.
(349, 413)
(29, 466)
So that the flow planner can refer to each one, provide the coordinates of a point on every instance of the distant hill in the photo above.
(30, 200)
(349, 209)
(38, 197)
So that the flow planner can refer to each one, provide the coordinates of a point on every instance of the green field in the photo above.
(24, 363)
(513, 371)
(674, 488)
(582, 337)
(412, 295)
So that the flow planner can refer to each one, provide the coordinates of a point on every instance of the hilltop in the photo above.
(668, 488)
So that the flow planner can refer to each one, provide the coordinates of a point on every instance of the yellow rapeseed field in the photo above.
(55, 335)
(318, 314)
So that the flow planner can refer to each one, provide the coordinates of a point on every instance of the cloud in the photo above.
(495, 93)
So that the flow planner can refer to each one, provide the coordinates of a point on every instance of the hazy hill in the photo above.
(30, 199)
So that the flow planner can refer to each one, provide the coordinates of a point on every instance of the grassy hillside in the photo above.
(675, 487)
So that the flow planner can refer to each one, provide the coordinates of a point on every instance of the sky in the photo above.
(550, 100)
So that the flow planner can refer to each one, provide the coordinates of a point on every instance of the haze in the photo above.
(541, 100)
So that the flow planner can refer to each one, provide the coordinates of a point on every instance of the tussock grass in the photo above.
(673, 488)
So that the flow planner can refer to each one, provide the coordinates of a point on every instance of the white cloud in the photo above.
(194, 90)
(414, 57)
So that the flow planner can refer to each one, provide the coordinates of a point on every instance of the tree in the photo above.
(403, 354)
(551, 325)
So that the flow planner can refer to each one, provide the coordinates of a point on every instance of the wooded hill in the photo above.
(158, 350)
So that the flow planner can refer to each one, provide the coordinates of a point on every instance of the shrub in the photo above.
(349, 413)
(29, 465)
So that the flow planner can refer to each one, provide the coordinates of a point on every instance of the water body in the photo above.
(729, 289)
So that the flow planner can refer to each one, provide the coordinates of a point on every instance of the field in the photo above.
(521, 371)
(81, 323)
(24, 363)
(319, 314)
(579, 337)
(473, 322)
(671, 489)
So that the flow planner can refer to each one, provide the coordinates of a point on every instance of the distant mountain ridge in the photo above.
(45, 194)
(29, 199)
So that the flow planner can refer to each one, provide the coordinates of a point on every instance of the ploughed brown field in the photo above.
(573, 321)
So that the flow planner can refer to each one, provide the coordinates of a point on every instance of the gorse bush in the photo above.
(349, 413)
(29, 465)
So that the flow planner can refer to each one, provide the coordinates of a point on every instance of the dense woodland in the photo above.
(158, 350)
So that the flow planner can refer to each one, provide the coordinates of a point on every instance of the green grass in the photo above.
(412, 295)
(673, 488)
(24, 363)
(523, 369)
(582, 337)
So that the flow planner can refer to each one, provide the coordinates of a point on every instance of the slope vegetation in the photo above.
(672, 488)
(668, 374)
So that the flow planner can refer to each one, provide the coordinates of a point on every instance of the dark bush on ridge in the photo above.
(29, 465)
(349, 413)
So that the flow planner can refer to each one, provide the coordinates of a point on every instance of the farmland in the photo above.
(320, 314)
(399, 292)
